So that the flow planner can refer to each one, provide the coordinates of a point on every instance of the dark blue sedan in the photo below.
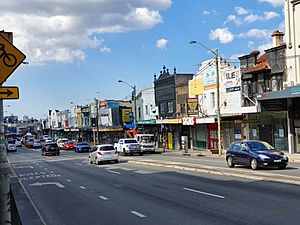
(82, 147)
(255, 154)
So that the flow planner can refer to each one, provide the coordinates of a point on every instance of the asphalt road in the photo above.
(67, 190)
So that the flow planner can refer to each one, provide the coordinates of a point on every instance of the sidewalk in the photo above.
(293, 158)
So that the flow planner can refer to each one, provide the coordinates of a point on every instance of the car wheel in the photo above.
(116, 161)
(281, 167)
(253, 164)
(230, 162)
(90, 160)
(97, 162)
(58, 154)
(141, 153)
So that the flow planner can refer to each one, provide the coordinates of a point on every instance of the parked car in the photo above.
(18, 143)
(255, 154)
(60, 142)
(69, 145)
(82, 147)
(11, 146)
(50, 148)
(29, 143)
(101, 153)
(37, 143)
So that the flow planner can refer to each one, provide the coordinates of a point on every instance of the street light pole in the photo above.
(216, 54)
(134, 98)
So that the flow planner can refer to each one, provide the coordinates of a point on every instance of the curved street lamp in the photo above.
(216, 54)
(134, 97)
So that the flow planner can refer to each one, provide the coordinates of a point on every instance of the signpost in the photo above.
(9, 92)
(10, 59)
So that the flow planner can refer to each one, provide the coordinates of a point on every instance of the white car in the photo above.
(60, 142)
(101, 153)
(18, 143)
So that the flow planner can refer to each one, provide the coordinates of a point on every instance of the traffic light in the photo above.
(94, 122)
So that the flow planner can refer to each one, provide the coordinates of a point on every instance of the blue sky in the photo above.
(78, 48)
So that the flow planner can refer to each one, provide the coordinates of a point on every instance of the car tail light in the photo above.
(99, 153)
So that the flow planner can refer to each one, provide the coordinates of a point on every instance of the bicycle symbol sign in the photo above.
(10, 59)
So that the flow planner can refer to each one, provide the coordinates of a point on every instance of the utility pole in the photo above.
(97, 118)
(134, 100)
(218, 102)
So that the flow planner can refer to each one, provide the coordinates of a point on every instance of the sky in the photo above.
(77, 50)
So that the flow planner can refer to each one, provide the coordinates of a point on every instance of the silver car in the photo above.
(101, 153)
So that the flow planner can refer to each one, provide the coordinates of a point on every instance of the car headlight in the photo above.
(284, 156)
(263, 157)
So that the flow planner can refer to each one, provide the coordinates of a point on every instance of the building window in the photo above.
(274, 84)
(146, 109)
(170, 107)
(139, 112)
(162, 108)
(212, 100)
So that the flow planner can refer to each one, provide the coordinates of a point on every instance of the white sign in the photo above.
(188, 121)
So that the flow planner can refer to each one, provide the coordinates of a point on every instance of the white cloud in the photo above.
(105, 49)
(274, 3)
(250, 44)
(234, 19)
(270, 15)
(205, 12)
(240, 10)
(264, 46)
(52, 30)
(221, 34)
(256, 33)
(254, 17)
(162, 43)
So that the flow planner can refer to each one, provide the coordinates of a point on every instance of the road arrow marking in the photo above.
(48, 183)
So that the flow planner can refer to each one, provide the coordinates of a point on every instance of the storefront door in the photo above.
(297, 140)
(266, 134)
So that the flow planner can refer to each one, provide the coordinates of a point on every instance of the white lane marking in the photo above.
(82, 187)
(51, 171)
(204, 193)
(102, 197)
(111, 171)
(22, 167)
(47, 183)
(46, 168)
(78, 164)
(138, 214)
(68, 180)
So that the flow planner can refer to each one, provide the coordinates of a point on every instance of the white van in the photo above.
(147, 142)
(60, 142)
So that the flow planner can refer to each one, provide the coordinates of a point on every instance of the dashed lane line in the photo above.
(82, 187)
(138, 214)
(103, 197)
(204, 193)
(111, 171)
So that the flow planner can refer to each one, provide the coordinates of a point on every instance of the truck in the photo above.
(128, 146)
(147, 142)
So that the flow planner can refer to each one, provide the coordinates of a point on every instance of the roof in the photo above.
(261, 66)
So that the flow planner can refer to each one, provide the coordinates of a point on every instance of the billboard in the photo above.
(192, 107)
(126, 115)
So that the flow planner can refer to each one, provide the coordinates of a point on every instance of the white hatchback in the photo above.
(101, 153)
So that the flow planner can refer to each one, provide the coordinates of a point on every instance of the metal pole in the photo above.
(218, 102)
(134, 95)
(5, 209)
(97, 118)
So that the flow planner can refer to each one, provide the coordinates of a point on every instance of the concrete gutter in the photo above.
(235, 172)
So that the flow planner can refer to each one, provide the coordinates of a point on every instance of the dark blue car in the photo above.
(82, 147)
(255, 154)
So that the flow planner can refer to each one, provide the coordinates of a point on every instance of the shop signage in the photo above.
(205, 120)
(188, 121)
(192, 106)
(147, 122)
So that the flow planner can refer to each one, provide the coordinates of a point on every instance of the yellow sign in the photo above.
(9, 93)
(10, 59)
(195, 87)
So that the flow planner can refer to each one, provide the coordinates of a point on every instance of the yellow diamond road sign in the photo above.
(10, 59)
(9, 93)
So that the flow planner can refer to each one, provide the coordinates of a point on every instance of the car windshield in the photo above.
(11, 142)
(69, 142)
(82, 144)
(107, 148)
(259, 146)
(53, 145)
(130, 141)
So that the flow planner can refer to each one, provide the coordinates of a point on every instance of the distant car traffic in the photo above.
(60, 142)
(37, 143)
(255, 154)
(102, 153)
(18, 143)
(50, 149)
(29, 143)
(82, 147)
(69, 145)
(11, 146)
